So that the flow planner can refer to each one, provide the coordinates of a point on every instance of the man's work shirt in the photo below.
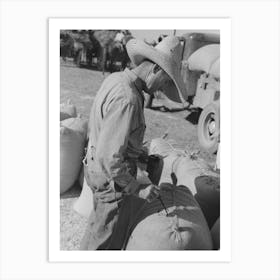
(116, 128)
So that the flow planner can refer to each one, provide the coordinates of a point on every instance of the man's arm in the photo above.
(112, 143)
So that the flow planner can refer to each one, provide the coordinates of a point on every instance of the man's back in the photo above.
(118, 92)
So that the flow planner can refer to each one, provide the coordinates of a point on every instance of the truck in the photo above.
(200, 70)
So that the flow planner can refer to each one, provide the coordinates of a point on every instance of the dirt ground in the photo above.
(81, 85)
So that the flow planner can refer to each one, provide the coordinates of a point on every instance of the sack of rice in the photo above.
(215, 232)
(72, 142)
(184, 228)
(184, 165)
(77, 124)
(204, 58)
(192, 172)
(67, 110)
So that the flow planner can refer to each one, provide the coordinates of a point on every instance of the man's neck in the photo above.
(142, 71)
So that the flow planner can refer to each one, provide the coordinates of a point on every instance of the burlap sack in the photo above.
(184, 228)
(205, 58)
(215, 232)
(192, 172)
(186, 166)
(77, 124)
(67, 110)
(72, 142)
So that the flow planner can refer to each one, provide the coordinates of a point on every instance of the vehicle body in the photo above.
(201, 74)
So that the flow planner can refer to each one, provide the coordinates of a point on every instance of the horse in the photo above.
(115, 52)
(81, 49)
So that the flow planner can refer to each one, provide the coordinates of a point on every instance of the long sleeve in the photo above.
(117, 124)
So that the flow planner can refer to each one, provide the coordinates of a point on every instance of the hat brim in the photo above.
(138, 51)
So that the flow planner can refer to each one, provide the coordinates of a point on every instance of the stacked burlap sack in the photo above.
(73, 132)
(192, 172)
(192, 203)
(67, 110)
(195, 174)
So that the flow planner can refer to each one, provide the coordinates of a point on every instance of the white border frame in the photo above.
(55, 254)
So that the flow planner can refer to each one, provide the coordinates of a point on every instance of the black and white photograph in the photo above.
(140, 139)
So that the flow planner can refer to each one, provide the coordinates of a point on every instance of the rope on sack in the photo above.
(174, 225)
(193, 156)
(174, 221)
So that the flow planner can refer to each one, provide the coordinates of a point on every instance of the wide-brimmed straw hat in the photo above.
(167, 54)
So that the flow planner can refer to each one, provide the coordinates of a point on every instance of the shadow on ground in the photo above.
(163, 108)
(193, 117)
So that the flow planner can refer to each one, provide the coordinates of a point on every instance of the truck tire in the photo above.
(208, 129)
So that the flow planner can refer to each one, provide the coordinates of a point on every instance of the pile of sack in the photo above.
(73, 134)
(193, 205)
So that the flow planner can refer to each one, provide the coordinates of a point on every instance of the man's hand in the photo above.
(150, 193)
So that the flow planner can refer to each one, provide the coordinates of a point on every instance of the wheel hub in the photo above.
(212, 127)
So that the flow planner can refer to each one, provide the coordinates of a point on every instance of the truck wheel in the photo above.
(208, 128)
